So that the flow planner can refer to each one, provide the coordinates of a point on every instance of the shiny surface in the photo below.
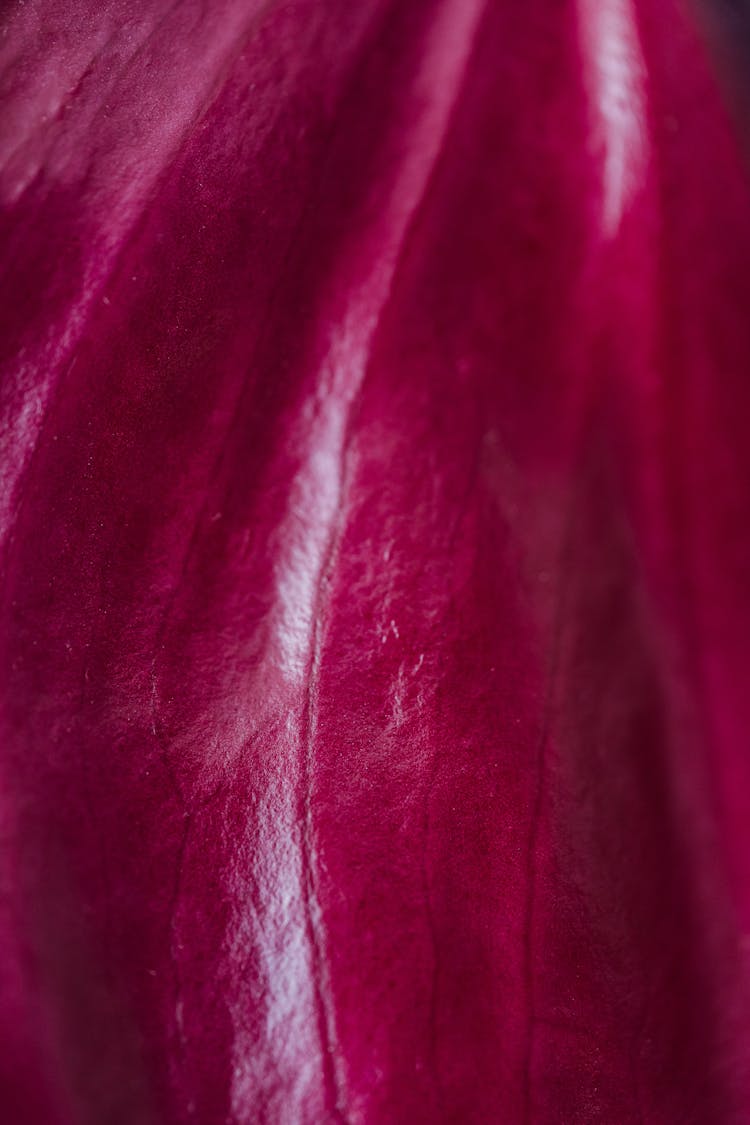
(375, 481)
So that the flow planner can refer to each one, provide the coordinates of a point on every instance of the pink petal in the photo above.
(375, 479)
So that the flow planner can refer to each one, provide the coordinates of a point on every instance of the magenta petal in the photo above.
(375, 480)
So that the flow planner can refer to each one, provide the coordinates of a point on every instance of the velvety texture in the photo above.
(375, 486)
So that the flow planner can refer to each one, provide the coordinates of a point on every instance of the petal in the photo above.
(375, 611)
